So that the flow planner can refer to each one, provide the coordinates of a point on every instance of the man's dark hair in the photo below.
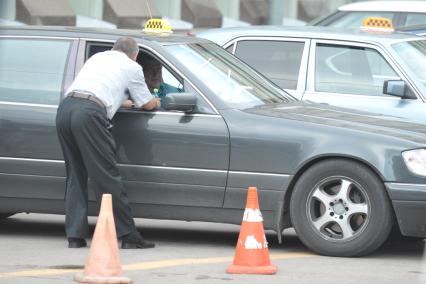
(127, 45)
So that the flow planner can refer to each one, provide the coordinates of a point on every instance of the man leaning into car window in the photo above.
(83, 122)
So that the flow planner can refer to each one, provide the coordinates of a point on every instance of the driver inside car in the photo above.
(152, 70)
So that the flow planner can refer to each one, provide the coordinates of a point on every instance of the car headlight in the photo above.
(416, 161)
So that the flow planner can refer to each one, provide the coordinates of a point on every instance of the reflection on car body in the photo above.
(337, 176)
(342, 68)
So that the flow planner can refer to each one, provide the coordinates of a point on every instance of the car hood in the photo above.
(345, 118)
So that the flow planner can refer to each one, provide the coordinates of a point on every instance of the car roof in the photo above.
(96, 33)
(386, 6)
(223, 35)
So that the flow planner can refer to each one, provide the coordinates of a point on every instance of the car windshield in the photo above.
(413, 55)
(354, 19)
(225, 75)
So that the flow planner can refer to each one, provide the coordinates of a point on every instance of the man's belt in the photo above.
(89, 97)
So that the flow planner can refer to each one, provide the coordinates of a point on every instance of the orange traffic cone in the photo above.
(103, 262)
(252, 255)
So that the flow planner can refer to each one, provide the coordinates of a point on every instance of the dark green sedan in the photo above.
(341, 178)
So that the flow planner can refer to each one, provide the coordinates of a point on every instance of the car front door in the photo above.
(34, 72)
(173, 158)
(352, 75)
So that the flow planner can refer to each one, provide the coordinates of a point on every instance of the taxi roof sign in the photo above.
(157, 26)
(377, 24)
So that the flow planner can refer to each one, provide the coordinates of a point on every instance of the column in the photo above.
(229, 8)
(92, 8)
(7, 9)
(170, 8)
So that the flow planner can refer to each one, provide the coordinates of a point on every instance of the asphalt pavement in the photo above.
(33, 250)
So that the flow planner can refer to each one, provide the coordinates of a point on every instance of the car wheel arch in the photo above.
(287, 196)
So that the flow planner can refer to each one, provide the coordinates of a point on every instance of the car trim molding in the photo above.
(153, 167)
(257, 173)
(38, 37)
(138, 111)
(417, 185)
(27, 104)
(172, 168)
(32, 160)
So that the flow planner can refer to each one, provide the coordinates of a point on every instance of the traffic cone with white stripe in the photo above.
(252, 255)
(103, 262)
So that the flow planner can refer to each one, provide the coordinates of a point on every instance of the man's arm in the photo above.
(139, 92)
(151, 105)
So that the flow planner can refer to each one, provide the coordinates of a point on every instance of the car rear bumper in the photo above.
(409, 202)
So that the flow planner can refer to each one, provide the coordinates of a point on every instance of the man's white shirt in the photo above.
(109, 76)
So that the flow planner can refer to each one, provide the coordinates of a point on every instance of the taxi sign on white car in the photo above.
(377, 24)
(157, 26)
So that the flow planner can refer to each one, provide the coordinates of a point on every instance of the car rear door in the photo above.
(34, 72)
(283, 60)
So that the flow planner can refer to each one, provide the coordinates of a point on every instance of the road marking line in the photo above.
(147, 265)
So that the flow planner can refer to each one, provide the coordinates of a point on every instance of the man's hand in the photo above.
(128, 104)
(152, 104)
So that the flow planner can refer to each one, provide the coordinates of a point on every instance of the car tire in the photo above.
(340, 208)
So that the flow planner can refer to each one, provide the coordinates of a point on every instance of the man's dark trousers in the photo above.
(89, 151)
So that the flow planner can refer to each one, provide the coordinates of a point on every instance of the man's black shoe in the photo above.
(76, 243)
(135, 241)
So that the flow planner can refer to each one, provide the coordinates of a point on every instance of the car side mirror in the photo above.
(397, 88)
(185, 102)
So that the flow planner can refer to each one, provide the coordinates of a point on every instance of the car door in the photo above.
(282, 60)
(172, 158)
(352, 75)
(34, 72)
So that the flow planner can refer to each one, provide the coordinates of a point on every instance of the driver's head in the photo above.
(152, 71)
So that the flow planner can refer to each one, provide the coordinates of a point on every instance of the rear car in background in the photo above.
(379, 72)
(350, 16)
(339, 177)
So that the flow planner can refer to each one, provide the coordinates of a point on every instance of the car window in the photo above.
(351, 70)
(93, 48)
(32, 70)
(226, 76)
(171, 82)
(413, 54)
(354, 19)
(414, 19)
(278, 60)
(230, 48)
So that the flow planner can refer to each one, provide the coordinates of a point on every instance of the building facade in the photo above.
(183, 14)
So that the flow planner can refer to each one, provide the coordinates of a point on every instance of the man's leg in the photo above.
(76, 224)
(99, 154)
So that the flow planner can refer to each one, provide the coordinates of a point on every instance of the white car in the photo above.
(402, 14)
(383, 73)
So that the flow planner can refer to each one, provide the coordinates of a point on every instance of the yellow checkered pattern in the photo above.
(154, 25)
(377, 23)
(157, 26)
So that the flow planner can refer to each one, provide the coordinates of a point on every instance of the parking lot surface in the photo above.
(33, 249)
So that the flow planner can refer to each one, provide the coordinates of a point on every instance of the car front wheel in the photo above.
(340, 208)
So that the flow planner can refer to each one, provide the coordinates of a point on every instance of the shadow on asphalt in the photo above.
(200, 233)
